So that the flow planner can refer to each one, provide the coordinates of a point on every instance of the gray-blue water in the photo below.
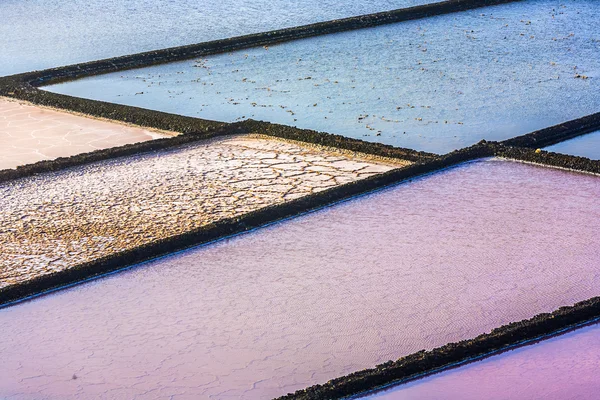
(436, 84)
(38, 34)
(582, 146)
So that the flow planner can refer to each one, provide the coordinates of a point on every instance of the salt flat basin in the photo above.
(30, 134)
(582, 146)
(435, 260)
(435, 84)
(55, 221)
(565, 367)
(51, 33)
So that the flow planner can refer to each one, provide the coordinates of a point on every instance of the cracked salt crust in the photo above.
(54, 221)
(29, 134)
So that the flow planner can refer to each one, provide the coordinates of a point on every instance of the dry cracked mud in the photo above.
(54, 221)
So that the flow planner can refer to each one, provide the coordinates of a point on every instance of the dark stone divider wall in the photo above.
(196, 131)
(550, 159)
(236, 225)
(112, 111)
(335, 141)
(557, 133)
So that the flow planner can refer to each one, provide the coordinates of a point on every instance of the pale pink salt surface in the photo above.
(30, 134)
(562, 368)
(440, 259)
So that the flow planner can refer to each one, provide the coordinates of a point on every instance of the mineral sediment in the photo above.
(54, 221)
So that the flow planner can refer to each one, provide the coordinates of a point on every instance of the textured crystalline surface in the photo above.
(439, 259)
(54, 221)
(435, 84)
(562, 368)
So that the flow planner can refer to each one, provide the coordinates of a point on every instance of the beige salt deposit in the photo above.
(29, 134)
(54, 221)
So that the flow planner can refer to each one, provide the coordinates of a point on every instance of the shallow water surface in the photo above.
(435, 84)
(582, 146)
(562, 368)
(49, 33)
(435, 260)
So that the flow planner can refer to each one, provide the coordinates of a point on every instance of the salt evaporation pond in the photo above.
(30, 134)
(56, 221)
(582, 146)
(439, 259)
(50, 33)
(435, 84)
(562, 368)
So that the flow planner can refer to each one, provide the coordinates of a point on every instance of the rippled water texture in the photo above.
(49, 33)
(419, 265)
(561, 368)
(582, 146)
(435, 84)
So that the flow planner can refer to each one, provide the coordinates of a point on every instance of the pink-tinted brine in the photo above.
(439, 259)
(562, 368)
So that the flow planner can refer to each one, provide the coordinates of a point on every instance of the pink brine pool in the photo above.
(562, 368)
(435, 260)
